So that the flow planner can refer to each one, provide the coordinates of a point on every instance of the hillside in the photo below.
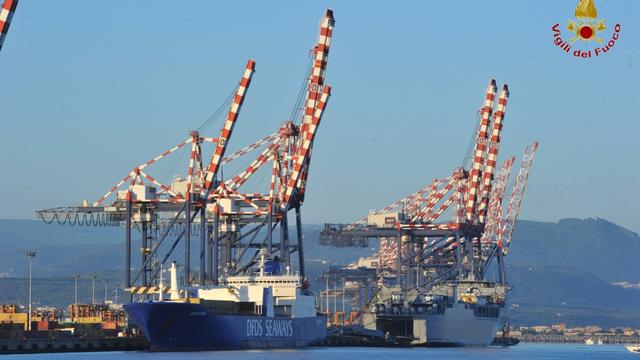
(567, 286)
(596, 246)
(550, 294)
(61, 250)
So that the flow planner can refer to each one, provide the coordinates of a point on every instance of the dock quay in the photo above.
(52, 345)
(357, 336)
(80, 327)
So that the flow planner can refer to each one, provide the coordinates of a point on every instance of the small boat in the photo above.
(589, 341)
(633, 348)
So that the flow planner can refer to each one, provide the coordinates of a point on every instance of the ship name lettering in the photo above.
(279, 328)
(254, 327)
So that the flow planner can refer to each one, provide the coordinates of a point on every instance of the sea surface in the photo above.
(522, 351)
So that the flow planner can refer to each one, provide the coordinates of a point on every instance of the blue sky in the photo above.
(90, 89)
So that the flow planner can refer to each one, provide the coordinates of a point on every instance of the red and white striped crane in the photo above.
(227, 129)
(6, 15)
(414, 232)
(229, 216)
(316, 100)
(515, 202)
(479, 153)
(493, 146)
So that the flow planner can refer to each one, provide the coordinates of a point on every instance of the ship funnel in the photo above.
(175, 293)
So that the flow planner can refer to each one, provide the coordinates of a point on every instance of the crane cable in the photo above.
(297, 106)
(472, 141)
(218, 112)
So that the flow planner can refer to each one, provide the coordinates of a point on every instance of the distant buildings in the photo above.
(562, 329)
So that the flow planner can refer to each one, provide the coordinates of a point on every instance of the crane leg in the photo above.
(127, 261)
(300, 248)
(284, 239)
(202, 243)
(187, 243)
(214, 258)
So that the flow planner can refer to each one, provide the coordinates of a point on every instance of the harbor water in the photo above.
(521, 352)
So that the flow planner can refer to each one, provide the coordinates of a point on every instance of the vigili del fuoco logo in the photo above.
(586, 33)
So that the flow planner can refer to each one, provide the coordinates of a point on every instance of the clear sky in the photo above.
(89, 89)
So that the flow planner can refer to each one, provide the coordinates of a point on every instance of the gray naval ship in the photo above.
(452, 313)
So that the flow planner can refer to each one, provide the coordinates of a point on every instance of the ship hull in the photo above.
(177, 326)
(459, 327)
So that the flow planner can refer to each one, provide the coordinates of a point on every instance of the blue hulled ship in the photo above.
(264, 310)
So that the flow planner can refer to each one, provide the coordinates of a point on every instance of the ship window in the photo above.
(282, 310)
(487, 311)
(218, 306)
(246, 307)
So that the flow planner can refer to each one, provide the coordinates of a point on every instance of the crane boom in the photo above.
(304, 150)
(6, 14)
(227, 129)
(492, 152)
(479, 152)
(238, 180)
(319, 67)
(516, 197)
(316, 84)
(494, 214)
(412, 200)
(433, 200)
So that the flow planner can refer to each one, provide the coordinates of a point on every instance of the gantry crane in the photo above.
(420, 248)
(231, 224)
(6, 15)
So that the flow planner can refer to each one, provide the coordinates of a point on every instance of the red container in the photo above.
(40, 325)
(108, 325)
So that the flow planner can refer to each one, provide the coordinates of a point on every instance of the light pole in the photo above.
(93, 289)
(75, 308)
(117, 293)
(335, 299)
(344, 315)
(30, 255)
(326, 294)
